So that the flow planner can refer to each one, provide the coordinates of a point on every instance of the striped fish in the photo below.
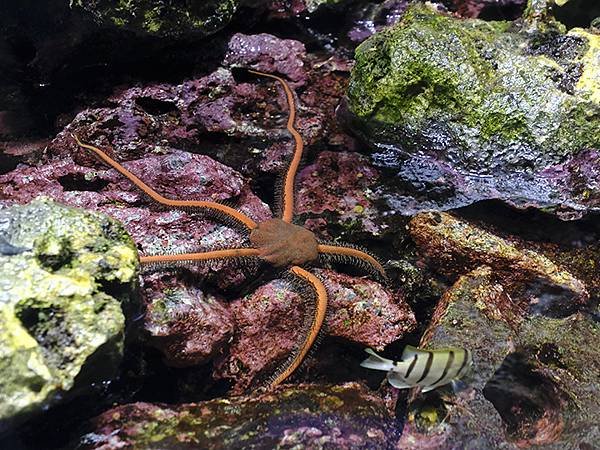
(418, 367)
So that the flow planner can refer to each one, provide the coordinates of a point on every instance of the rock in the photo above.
(155, 230)
(490, 9)
(239, 121)
(187, 325)
(533, 381)
(162, 18)
(61, 326)
(476, 313)
(458, 247)
(304, 416)
(466, 110)
(360, 311)
(339, 185)
(267, 53)
(373, 17)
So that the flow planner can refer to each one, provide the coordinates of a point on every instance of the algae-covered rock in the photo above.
(534, 380)
(458, 246)
(57, 265)
(466, 110)
(162, 17)
(304, 416)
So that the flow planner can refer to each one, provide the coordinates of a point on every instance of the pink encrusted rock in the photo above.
(340, 183)
(269, 323)
(305, 416)
(363, 311)
(239, 122)
(186, 324)
(267, 53)
(177, 175)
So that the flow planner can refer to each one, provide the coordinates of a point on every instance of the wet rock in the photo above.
(476, 313)
(188, 325)
(360, 311)
(155, 230)
(304, 416)
(267, 53)
(489, 9)
(457, 247)
(465, 110)
(239, 120)
(339, 185)
(532, 381)
(162, 18)
(60, 318)
(373, 17)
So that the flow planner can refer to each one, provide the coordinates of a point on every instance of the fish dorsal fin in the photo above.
(410, 352)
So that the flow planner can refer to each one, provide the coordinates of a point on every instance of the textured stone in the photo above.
(160, 17)
(533, 383)
(466, 110)
(303, 416)
(457, 247)
(57, 318)
(360, 311)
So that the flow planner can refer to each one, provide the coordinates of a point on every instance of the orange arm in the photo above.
(290, 175)
(217, 207)
(352, 253)
(203, 256)
(315, 326)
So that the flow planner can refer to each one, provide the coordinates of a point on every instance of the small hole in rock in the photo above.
(155, 107)
(76, 182)
(528, 402)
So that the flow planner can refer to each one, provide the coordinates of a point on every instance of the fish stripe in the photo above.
(427, 367)
(464, 363)
(449, 362)
(411, 367)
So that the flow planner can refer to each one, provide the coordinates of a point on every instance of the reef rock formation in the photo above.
(58, 269)
(303, 416)
(162, 18)
(533, 382)
(465, 110)
(360, 311)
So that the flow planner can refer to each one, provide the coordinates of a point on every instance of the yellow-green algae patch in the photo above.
(490, 94)
(54, 314)
(162, 18)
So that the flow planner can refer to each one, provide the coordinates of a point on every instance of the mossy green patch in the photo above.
(163, 17)
(483, 90)
(54, 313)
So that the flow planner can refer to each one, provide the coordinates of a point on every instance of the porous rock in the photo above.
(360, 311)
(457, 247)
(303, 416)
(58, 320)
(467, 110)
(532, 382)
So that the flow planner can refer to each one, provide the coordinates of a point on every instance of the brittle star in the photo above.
(277, 241)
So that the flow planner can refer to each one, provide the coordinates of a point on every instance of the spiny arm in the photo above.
(290, 175)
(353, 253)
(231, 253)
(315, 326)
(217, 207)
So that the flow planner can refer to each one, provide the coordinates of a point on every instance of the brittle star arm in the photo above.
(353, 254)
(228, 253)
(217, 207)
(315, 326)
(287, 193)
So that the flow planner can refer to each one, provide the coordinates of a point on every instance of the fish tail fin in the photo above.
(374, 361)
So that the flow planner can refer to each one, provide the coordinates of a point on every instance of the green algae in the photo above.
(54, 313)
(162, 17)
(479, 87)
(277, 419)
